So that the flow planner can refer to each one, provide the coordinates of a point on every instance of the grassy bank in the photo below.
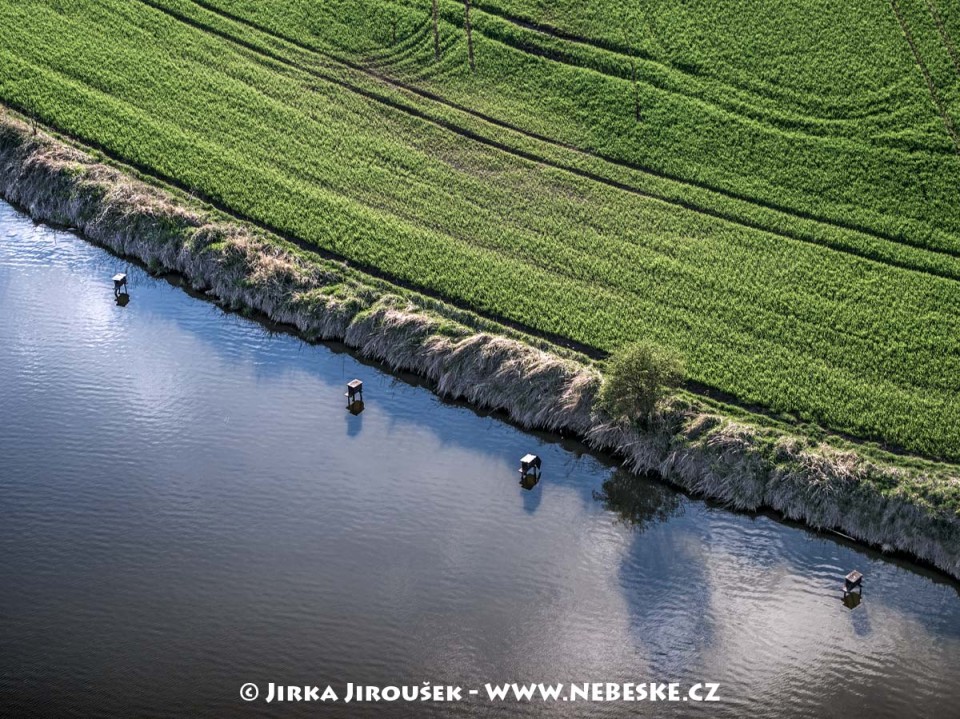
(914, 509)
(800, 251)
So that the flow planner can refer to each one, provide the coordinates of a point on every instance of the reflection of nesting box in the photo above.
(529, 481)
(354, 391)
(852, 600)
(530, 464)
(853, 581)
(119, 282)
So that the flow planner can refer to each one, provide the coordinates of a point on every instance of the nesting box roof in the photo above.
(528, 458)
(355, 384)
(119, 277)
(854, 576)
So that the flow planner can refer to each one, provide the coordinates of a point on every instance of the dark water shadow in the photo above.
(639, 502)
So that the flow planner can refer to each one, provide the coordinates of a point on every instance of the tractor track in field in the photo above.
(931, 86)
(944, 35)
(547, 162)
(404, 48)
(627, 52)
(739, 109)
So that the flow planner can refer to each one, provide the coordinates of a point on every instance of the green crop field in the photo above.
(770, 188)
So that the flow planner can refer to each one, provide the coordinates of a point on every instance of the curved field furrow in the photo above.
(771, 111)
(931, 86)
(944, 35)
(404, 47)
(658, 75)
(842, 108)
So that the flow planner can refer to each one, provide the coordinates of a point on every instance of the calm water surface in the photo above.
(186, 506)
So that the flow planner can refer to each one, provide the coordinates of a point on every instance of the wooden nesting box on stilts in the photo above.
(529, 471)
(530, 464)
(853, 582)
(354, 393)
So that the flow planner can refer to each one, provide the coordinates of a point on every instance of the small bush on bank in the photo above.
(637, 376)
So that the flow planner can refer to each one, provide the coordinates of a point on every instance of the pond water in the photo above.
(186, 506)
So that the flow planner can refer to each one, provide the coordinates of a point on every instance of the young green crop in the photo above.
(853, 329)
(871, 152)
